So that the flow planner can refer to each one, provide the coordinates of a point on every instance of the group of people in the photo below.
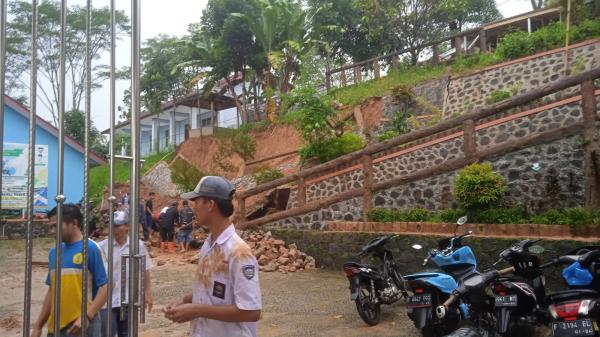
(225, 298)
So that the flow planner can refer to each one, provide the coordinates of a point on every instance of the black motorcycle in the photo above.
(371, 286)
(520, 297)
(576, 311)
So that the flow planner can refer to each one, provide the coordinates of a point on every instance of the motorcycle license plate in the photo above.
(419, 301)
(506, 301)
(580, 327)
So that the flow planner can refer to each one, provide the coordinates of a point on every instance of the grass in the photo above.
(99, 175)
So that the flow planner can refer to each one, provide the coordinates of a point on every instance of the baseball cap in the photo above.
(211, 187)
(120, 218)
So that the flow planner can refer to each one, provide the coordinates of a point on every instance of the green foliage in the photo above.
(331, 148)
(265, 174)
(570, 216)
(244, 145)
(586, 30)
(312, 110)
(497, 96)
(515, 45)
(406, 215)
(512, 215)
(400, 122)
(464, 63)
(478, 187)
(184, 175)
(389, 134)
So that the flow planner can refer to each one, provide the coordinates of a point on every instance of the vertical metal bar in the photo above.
(124, 301)
(30, 170)
(60, 198)
(86, 162)
(2, 79)
(111, 184)
(142, 301)
(135, 167)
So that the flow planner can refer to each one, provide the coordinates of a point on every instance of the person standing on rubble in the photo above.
(167, 219)
(121, 245)
(226, 294)
(186, 218)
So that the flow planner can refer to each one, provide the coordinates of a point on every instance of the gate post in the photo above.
(367, 162)
(591, 145)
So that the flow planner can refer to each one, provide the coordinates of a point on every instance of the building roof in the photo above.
(194, 99)
(42, 123)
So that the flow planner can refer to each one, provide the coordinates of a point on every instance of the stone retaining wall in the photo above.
(158, 178)
(333, 249)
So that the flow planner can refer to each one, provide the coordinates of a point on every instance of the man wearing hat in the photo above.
(121, 247)
(226, 295)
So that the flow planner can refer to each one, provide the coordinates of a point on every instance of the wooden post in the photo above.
(301, 192)
(482, 41)
(395, 63)
(357, 75)
(376, 69)
(343, 79)
(435, 58)
(367, 185)
(591, 146)
(241, 213)
(458, 45)
(470, 143)
(327, 80)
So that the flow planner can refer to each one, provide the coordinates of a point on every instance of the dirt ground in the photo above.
(312, 303)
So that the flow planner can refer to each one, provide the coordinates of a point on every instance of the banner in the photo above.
(14, 176)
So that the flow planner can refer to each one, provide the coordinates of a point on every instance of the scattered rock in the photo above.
(274, 255)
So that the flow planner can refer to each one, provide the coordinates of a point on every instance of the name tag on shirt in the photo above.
(219, 290)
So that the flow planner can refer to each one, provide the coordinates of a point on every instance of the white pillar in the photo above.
(172, 129)
(529, 25)
(154, 140)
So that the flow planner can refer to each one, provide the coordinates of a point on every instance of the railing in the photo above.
(374, 68)
(467, 123)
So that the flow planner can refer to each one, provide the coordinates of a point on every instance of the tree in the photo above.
(19, 31)
(465, 14)
(161, 79)
(75, 128)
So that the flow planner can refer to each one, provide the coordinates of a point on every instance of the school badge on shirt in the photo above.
(248, 271)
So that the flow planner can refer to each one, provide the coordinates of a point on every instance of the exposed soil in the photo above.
(307, 303)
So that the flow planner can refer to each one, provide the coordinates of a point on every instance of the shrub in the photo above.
(497, 96)
(400, 122)
(265, 174)
(244, 145)
(449, 215)
(389, 134)
(513, 215)
(588, 29)
(406, 215)
(477, 186)
(185, 175)
(311, 110)
(549, 37)
(331, 148)
(570, 216)
(514, 45)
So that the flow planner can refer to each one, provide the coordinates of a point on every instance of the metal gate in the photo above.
(135, 284)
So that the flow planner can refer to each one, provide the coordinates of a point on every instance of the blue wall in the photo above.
(16, 130)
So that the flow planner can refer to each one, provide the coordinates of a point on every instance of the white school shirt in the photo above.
(227, 274)
(117, 252)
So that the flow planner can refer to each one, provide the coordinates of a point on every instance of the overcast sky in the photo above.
(172, 17)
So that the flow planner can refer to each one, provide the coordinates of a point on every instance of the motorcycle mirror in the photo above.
(536, 249)
(417, 246)
(462, 220)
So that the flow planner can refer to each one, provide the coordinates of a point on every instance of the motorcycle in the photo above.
(576, 311)
(512, 308)
(371, 286)
(429, 289)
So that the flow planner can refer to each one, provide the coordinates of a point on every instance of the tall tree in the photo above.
(19, 31)
(75, 128)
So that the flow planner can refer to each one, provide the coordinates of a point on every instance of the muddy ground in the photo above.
(297, 304)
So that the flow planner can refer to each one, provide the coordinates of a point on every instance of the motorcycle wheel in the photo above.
(369, 313)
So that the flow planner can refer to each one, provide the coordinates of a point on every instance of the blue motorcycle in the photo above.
(576, 311)
(428, 290)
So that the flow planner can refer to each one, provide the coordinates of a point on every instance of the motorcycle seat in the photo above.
(572, 294)
(360, 265)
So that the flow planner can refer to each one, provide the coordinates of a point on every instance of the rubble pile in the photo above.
(274, 255)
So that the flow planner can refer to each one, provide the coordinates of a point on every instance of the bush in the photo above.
(514, 45)
(244, 145)
(311, 110)
(332, 148)
(449, 215)
(570, 216)
(184, 175)
(407, 215)
(389, 134)
(549, 37)
(588, 29)
(265, 174)
(513, 215)
(497, 96)
(478, 187)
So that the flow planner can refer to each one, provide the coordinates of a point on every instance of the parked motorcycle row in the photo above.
(456, 299)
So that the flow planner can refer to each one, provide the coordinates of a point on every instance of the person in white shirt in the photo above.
(121, 247)
(226, 298)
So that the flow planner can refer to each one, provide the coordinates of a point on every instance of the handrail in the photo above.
(466, 121)
(477, 114)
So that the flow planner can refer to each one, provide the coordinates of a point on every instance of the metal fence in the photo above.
(135, 303)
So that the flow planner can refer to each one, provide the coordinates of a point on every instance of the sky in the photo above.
(172, 17)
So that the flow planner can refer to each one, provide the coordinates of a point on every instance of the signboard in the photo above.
(14, 176)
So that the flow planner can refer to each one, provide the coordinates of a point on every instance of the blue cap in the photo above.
(211, 187)
(120, 218)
